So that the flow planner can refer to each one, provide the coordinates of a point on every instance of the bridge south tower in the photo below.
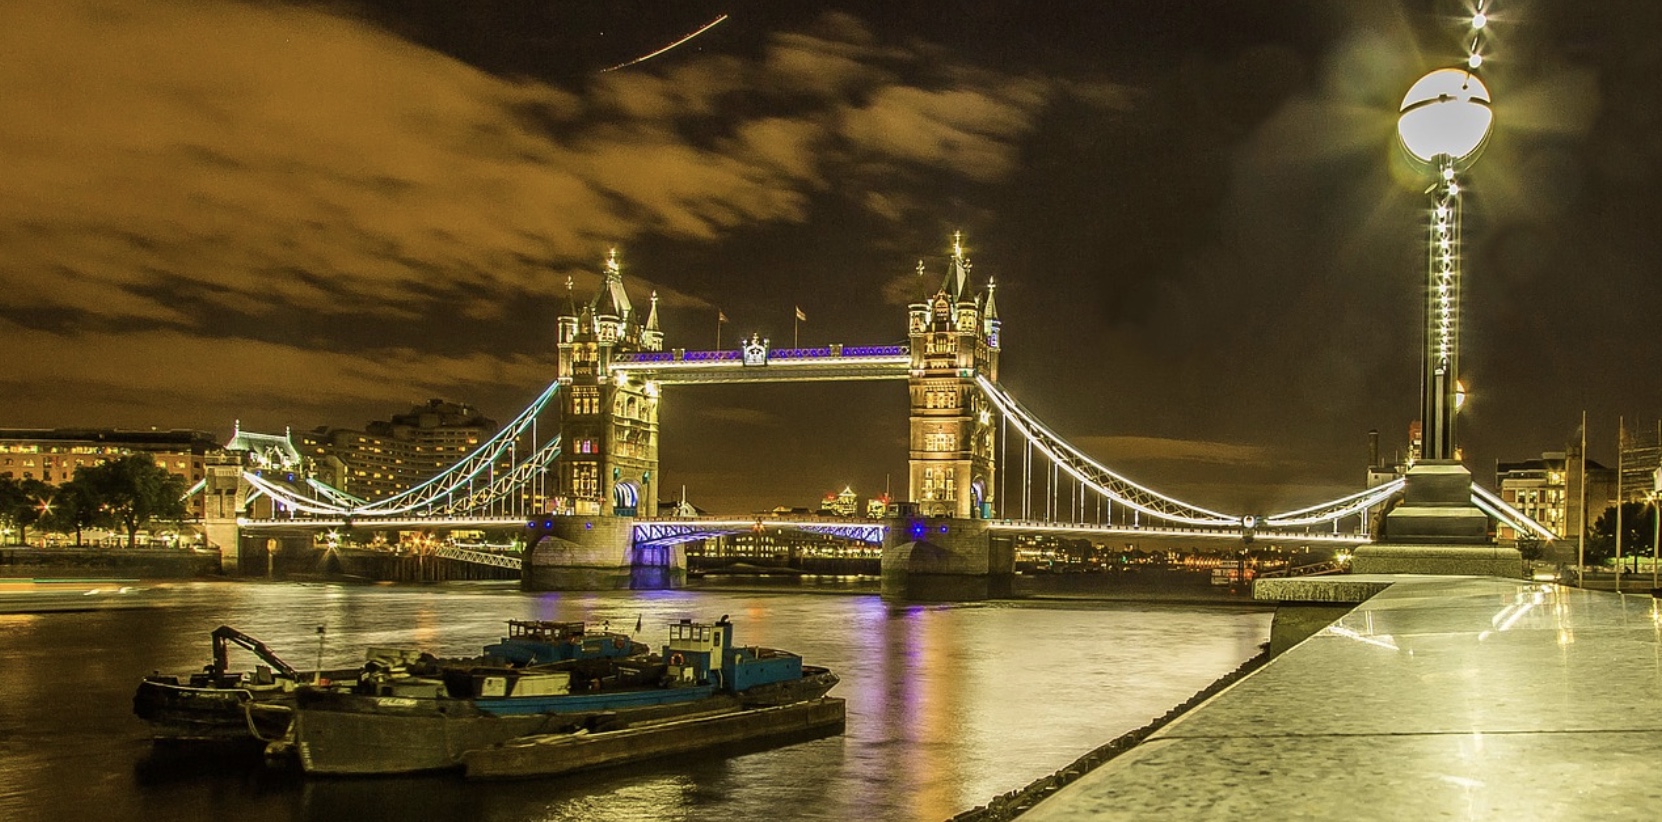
(609, 425)
(954, 337)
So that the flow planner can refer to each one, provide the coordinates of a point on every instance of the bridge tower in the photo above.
(608, 426)
(954, 337)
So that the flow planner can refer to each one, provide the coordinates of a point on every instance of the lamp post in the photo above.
(1442, 124)
(1444, 121)
(1656, 519)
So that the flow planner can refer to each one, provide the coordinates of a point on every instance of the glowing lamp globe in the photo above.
(1445, 114)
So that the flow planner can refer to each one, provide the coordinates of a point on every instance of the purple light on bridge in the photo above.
(875, 351)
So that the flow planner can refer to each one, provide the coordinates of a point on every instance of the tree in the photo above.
(134, 490)
(1637, 533)
(75, 507)
(23, 503)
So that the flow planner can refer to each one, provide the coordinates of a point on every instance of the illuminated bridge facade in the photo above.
(584, 484)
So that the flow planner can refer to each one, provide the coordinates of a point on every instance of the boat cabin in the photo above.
(695, 650)
(537, 642)
(540, 630)
(700, 652)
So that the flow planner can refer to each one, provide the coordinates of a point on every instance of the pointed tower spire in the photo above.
(613, 301)
(990, 323)
(957, 285)
(652, 337)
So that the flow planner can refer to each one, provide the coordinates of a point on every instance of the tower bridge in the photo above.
(576, 485)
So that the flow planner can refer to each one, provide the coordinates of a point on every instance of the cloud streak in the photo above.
(200, 167)
(1123, 449)
(279, 157)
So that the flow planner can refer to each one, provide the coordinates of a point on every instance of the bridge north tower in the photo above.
(954, 338)
(608, 424)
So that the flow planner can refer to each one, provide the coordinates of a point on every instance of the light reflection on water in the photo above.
(947, 705)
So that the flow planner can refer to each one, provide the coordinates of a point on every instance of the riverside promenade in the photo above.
(1435, 698)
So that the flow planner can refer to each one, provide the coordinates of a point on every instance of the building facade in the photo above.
(954, 338)
(54, 455)
(844, 503)
(391, 456)
(609, 427)
(1548, 490)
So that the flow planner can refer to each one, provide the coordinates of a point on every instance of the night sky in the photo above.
(1208, 245)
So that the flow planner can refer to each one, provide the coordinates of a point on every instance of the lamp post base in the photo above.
(1437, 530)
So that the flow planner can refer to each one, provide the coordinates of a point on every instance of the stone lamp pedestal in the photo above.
(1437, 530)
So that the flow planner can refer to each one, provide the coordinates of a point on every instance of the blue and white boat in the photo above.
(425, 718)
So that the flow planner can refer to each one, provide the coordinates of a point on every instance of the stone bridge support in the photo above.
(941, 559)
(576, 553)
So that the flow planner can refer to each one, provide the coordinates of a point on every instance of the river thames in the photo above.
(948, 705)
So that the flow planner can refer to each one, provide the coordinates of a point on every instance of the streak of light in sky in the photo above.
(643, 58)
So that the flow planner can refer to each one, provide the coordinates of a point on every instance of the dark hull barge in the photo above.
(553, 754)
(415, 724)
(217, 704)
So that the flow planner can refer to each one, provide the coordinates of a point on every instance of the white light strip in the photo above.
(388, 524)
(1496, 507)
(486, 455)
(279, 495)
(1337, 509)
(1271, 537)
(1043, 437)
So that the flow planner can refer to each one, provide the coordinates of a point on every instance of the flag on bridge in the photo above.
(720, 317)
(801, 317)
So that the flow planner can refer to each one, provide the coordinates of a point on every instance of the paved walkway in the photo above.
(1439, 698)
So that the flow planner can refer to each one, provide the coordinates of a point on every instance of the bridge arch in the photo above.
(626, 498)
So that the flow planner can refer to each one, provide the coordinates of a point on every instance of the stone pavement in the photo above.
(1438, 698)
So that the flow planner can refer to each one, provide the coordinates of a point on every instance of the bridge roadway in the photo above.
(1436, 698)
(830, 362)
(670, 531)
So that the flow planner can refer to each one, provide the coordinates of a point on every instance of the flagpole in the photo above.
(718, 329)
(796, 334)
(1621, 431)
(1581, 536)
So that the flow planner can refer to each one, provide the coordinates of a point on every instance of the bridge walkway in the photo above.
(1438, 698)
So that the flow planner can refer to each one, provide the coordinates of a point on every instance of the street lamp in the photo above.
(1445, 119)
(1442, 124)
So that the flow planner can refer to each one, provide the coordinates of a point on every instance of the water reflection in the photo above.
(947, 706)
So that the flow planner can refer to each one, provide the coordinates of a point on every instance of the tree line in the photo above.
(124, 495)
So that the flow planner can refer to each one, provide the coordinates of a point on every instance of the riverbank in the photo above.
(44, 596)
(1438, 698)
(1010, 805)
(24, 562)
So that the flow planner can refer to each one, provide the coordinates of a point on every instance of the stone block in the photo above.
(1472, 560)
(1436, 483)
(1343, 589)
(1435, 525)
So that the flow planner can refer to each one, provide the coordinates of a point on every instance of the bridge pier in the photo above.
(597, 553)
(268, 555)
(941, 559)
